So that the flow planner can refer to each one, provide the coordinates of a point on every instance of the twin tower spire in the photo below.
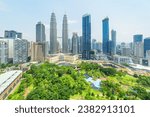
(53, 35)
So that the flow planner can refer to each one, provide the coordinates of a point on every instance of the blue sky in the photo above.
(127, 17)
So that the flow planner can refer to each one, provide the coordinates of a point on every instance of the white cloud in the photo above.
(72, 21)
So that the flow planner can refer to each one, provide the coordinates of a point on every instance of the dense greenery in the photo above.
(3, 66)
(49, 81)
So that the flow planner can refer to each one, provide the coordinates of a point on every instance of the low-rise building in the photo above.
(8, 81)
(145, 61)
(122, 59)
(62, 57)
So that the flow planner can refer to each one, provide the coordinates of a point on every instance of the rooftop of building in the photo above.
(121, 56)
(86, 15)
(140, 67)
(7, 78)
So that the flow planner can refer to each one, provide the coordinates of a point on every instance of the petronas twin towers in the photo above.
(53, 35)
(65, 35)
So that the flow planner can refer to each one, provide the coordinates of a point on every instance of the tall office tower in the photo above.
(146, 45)
(20, 51)
(3, 52)
(138, 38)
(113, 38)
(65, 35)
(69, 45)
(138, 50)
(86, 36)
(40, 32)
(138, 47)
(53, 34)
(110, 47)
(80, 45)
(105, 35)
(75, 43)
(93, 44)
(17, 50)
(12, 34)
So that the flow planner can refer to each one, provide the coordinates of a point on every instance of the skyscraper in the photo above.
(138, 46)
(40, 32)
(69, 45)
(53, 34)
(146, 45)
(105, 35)
(65, 35)
(113, 38)
(110, 47)
(138, 50)
(17, 50)
(80, 45)
(3, 52)
(86, 36)
(75, 43)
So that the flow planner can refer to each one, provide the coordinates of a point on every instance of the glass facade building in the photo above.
(86, 36)
(12, 34)
(105, 35)
(146, 45)
(40, 32)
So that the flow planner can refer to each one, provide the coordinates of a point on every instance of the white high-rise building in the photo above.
(3, 52)
(75, 43)
(113, 37)
(20, 51)
(65, 35)
(17, 50)
(53, 34)
(138, 49)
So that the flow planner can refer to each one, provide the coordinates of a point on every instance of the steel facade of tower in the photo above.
(86, 36)
(40, 32)
(106, 35)
(53, 34)
(65, 35)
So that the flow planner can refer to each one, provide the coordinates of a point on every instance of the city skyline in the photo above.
(125, 19)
